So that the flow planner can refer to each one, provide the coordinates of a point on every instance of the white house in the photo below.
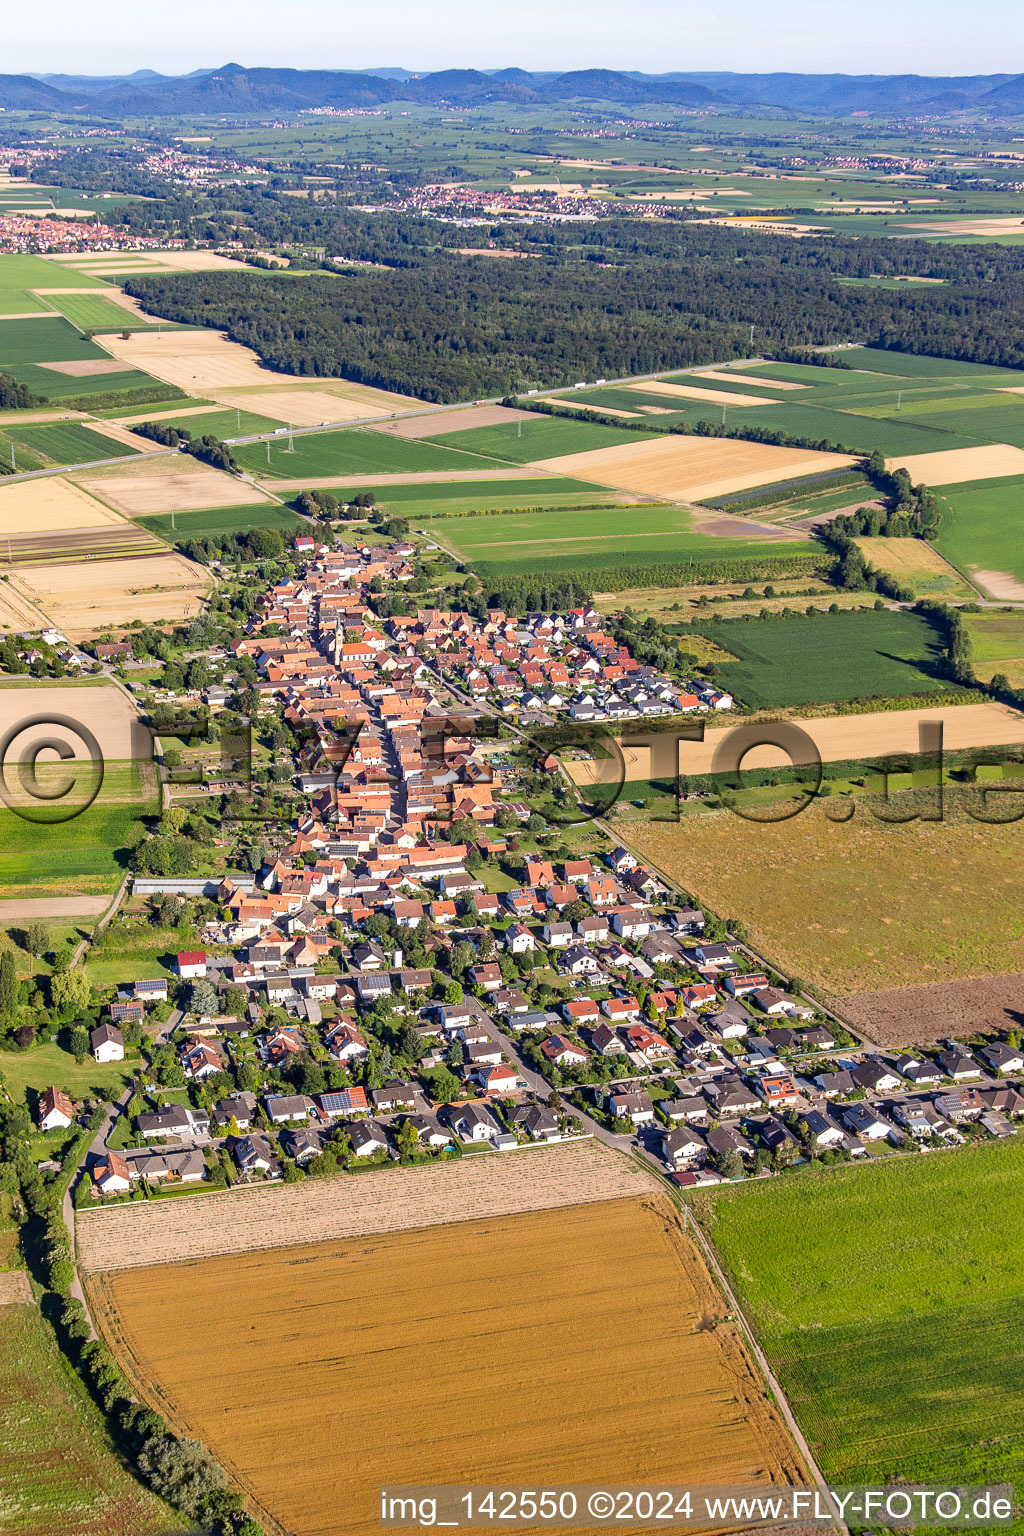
(56, 1112)
(107, 1043)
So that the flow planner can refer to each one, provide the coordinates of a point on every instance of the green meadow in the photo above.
(824, 658)
(596, 538)
(888, 1298)
(464, 497)
(981, 526)
(542, 437)
(19, 274)
(95, 312)
(50, 339)
(70, 442)
(317, 455)
(222, 520)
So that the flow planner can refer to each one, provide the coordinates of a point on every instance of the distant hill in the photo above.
(236, 90)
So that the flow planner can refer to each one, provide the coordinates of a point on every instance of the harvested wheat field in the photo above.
(408, 1353)
(141, 260)
(103, 710)
(609, 410)
(309, 406)
(857, 905)
(458, 419)
(688, 468)
(999, 584)
(174, 483)
(265, 1216)
(838, 738)
(51, 504)
(88, 367)
(958, 465)
(689, 392)
(208, 364)
(155, 588)
(905, 1016)
(725, 375)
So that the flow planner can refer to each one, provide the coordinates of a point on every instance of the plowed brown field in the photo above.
(578, 1345)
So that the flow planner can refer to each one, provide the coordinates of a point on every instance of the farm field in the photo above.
(456, 418)
(95, 311)
(59, 1472)
(426, 500)
(223, 424)
(322, 454)
(587, 539)
(447, 1407)
(839, 738)
(997, 645)
(541, 437)
(856, 1280)
(691, 468)
(910, 365)
(918, 564)
(262, 1216)
(175, 526)
(822, 658)
(176, 482)
(81, 856)
(906, 1016)
(48, 339)
(70, 443)
(207, 363)
(860, 908)
(984, 462)
(980, 532)
(152, 587)
(20, 274)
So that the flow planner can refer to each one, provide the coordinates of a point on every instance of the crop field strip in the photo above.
(173, 527)
(58, 1470)
(354, 452)
(896, 1349)
(601, 539)
(547, 1284)
(542, 1178)
(70, 443)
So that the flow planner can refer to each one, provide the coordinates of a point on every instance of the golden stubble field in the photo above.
(689, 468)
(162, 588)
(208, 363)
(577, 1345)
(838, 738)
(862, 905)
(955, 466)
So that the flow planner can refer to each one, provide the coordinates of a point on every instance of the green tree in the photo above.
(69, 992)
(8, 985)
(37, 938)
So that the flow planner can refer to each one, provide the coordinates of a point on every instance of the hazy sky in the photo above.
(847, 36)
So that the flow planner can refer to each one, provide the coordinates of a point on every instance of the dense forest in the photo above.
(613, 298)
